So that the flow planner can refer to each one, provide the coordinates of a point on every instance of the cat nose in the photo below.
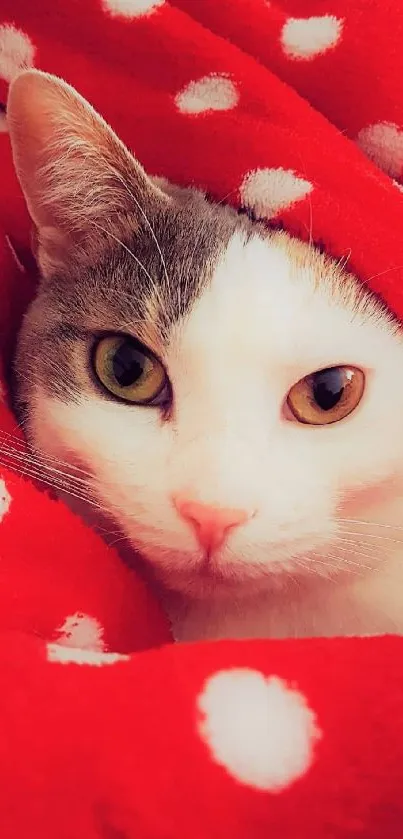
(211, 524)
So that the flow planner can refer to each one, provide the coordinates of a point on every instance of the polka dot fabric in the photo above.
(292, 110)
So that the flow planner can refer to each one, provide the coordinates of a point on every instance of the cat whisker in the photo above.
(317, 566)
(153, 284)
(310, 220)
(346, 549)
(184, 282)
(386, 271)
(25, 461)
(148, 223)
(51, 481)
(345, 564)
(118, 541)
(61, 481)
(228, 195)
(356, 542)
(372, 550)
(344, 560)
(379, 537)
(29, 459)
(374, 568)
(36, 475)
(342, 262)
(371, 524)
(294, 580)
(14, 442)
(107, 533)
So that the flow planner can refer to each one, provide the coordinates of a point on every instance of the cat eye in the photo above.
(326, 396)
(129, 371)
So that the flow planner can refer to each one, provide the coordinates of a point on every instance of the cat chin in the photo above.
(211, 586)
(198, 579)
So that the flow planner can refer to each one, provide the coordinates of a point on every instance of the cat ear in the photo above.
(77, 176)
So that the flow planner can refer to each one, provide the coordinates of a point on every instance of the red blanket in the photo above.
(293, 109)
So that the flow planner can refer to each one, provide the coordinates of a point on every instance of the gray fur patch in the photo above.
(124, 282)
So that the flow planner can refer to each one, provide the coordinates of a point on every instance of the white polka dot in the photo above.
(267, 191)
(210, 93)
(5, 500)
(16, 52)
(304, 38)
(383, 144)
(260, 730)
(132, 8)
(70, 655)
(81, 631)
(398, 186)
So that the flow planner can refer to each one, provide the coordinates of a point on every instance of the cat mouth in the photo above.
(225, 569)
(206, 570)
(215, 569)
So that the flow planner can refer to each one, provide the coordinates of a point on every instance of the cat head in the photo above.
(230, 394)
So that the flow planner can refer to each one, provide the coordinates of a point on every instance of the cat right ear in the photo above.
(77, 176)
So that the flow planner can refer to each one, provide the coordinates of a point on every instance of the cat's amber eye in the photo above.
(326, 396)
(129, 371)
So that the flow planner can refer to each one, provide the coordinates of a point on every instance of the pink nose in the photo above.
(210, 523)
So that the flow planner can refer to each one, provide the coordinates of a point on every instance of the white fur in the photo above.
(261, 326)
(16, 52)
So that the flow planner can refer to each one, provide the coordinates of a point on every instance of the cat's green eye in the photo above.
(326, 396)
(129, 371)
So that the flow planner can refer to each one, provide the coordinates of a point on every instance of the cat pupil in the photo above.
(128, 365)
(327, 388)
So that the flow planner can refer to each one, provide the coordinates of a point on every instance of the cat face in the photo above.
(170, 354)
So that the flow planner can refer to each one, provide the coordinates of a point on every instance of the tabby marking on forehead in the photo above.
(132, 288)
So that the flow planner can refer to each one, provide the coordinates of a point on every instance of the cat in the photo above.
(226, 396)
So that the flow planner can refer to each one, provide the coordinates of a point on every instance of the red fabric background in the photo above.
(96, 746)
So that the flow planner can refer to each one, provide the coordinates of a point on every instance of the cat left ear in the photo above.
(77, 176)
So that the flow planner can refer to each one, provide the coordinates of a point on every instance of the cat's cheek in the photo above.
(362, 500)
